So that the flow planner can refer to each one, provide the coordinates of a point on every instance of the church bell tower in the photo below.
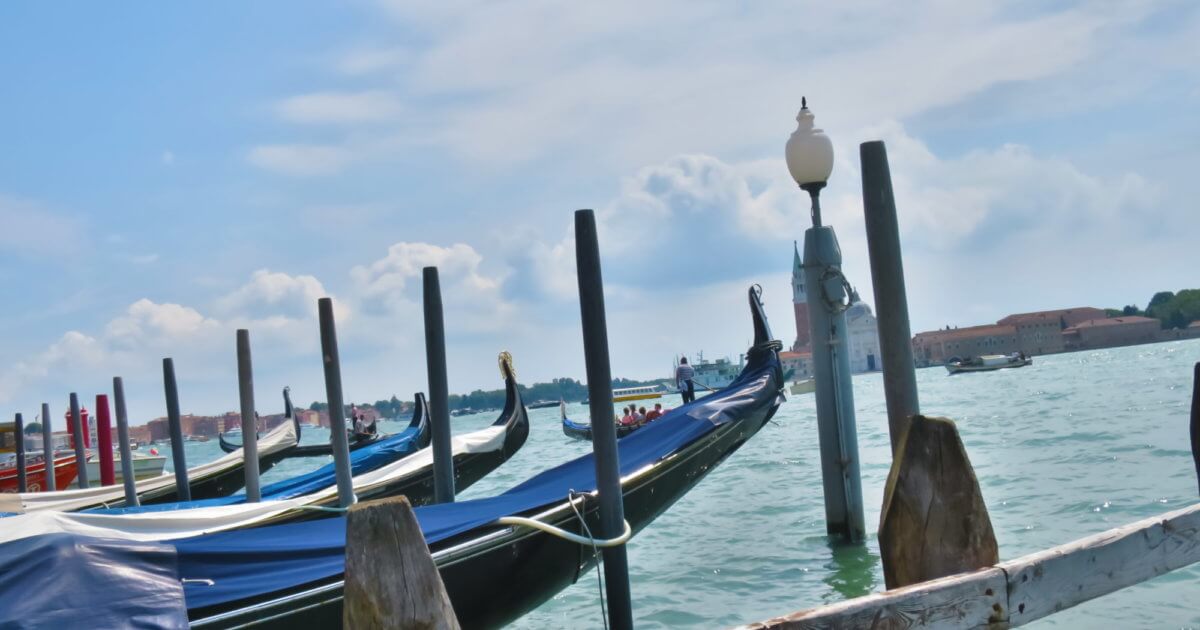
(800, 303)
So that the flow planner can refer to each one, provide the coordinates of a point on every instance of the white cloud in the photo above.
(340, 107)
(372, 60)
(300, 159)
(30, 230)
(147, 323)
(275, 292)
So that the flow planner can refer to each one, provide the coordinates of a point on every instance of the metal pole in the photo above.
(127, 478)
(337, 411)
(604, 432)
(183, 491)
(834, 392)
(891, 299)
(80, 453)
(104, 440)
(48, 450)
(249, 417)
(19, 428)
(439, 395)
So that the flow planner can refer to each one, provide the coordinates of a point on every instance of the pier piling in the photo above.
(891, 299)
(439, 395)
(19, 435)
(48, 450)
(249, 416)
(337, 409)
(104, 441)
(391, 580)
(604, 432)
(183, 491)
(836, 427)
(1196, 418)
(127, 476)
(79, 432)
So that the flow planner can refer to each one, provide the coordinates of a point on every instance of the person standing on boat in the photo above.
(683, 380)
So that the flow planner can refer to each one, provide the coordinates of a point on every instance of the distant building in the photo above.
(1112, 331)
(862, 329)
(935, 347)
(1040, 332)
(798, 363)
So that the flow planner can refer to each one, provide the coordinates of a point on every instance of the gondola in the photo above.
(288, 575)
(311, 495)
(356, 440)
(583, 430)
(217, 478)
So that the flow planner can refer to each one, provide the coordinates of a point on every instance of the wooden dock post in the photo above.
(1196, 418)
(245, 366)
(439, 390)
(183, 489)
(79, 435)
(127, 477)
(19, 434)
(934, 522)
(391, 580)
(48, 450)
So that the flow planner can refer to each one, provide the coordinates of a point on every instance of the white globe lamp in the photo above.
(809, 155)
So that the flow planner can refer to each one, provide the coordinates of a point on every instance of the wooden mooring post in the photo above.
(1196, 419)
(934, 522)
(391, 580)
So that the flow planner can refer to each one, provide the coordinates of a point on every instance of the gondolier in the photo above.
(684, 375)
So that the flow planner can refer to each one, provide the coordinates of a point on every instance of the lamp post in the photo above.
(809, 155)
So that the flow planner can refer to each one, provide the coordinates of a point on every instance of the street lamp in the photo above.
(809, 155)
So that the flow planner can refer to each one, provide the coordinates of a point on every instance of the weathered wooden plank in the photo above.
(1019, 591)
(967, 600)
(1056, 579)
(391, 581)
(934, 522)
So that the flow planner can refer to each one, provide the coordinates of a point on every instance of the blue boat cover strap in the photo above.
(363, 460)
(89, 582)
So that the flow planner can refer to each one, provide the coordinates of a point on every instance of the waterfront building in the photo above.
(862, 331)
(1111, 332)
(935, 347)
(798, 363)
(1040, 332)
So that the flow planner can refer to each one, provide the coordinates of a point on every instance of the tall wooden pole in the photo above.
(439, 394)
(604, 432)
(183, 491)
(891, 298)
(80, 453)
(337, 409)
(104, 441)
(19, 434)
(1196, 418)
(249, 415)
(127, 477)
(48, 450)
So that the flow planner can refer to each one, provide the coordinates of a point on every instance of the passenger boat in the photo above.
(542, 404)
(807, 386)
(644, 392)
(35, 473)
(714, 374)
(217, 478)
(145, 466)
(988, 363)
(583, 430)
(290, 575)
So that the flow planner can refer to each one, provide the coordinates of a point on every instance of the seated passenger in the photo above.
(628, 419)
(641, 416)
(655, 413)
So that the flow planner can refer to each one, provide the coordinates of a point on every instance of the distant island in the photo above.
(1168, 316)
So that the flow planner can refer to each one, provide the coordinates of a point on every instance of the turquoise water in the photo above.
(1073, 445)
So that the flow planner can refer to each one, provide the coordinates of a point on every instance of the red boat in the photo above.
(35, 474)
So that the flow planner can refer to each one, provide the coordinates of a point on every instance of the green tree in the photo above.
(1159, 299)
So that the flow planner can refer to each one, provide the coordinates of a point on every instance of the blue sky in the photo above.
(171, 172)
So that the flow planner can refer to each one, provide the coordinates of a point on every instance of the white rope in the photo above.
(566, 535)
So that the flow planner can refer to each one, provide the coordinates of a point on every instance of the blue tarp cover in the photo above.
(363, 460)
(247, 563)
(68, 581)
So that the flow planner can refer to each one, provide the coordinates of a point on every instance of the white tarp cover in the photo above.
(279, 438)
(171, 524)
